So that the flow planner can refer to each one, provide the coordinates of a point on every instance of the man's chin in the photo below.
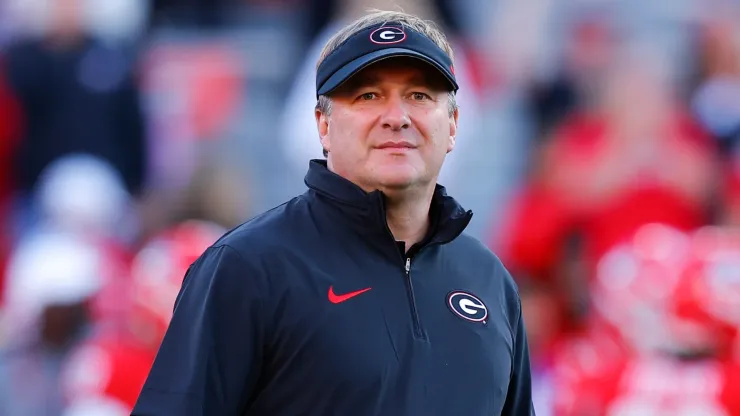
(395, 176)
(398, 182)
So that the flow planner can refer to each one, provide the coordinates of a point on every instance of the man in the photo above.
(78, 94)
(361, 296)
(296, 126)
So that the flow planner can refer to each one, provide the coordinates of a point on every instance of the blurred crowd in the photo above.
(599, 148)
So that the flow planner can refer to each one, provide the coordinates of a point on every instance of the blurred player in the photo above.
(678, 359)
(107, 372)
(52, 278)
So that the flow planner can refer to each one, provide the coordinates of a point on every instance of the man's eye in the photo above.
(368, 96)
(420, 96)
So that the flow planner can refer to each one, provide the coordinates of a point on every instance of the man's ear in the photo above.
(322, 125)
(453, 131)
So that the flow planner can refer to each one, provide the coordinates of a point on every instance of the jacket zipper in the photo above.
(418, 333)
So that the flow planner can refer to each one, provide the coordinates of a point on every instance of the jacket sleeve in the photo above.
(519, 397)
(211, 355)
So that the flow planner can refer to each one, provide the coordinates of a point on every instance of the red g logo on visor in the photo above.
(387, 35)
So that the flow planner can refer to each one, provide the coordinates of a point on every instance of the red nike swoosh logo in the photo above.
(334, 298)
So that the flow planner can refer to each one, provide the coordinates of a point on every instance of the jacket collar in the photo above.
(366, 210)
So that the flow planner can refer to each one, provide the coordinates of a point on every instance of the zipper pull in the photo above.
(408, 265)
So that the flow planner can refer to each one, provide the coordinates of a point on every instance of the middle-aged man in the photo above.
(361, 296)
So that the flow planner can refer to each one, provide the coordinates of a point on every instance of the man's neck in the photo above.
(408, 216)
(407, 211)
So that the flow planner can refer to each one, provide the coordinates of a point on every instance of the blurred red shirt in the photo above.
(566, 196)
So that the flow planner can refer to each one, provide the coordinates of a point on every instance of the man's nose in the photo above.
(396, 116)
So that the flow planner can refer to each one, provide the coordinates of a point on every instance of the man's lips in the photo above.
(396, 145)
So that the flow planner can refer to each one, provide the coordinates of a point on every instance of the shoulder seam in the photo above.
(232, 249)
(505, 276)
(514, 336)
(249, 221)
(505, 281)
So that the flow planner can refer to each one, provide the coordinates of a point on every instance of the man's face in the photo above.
(390, 127)
(66, 18)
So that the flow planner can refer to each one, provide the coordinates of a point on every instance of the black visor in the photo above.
(377, 43)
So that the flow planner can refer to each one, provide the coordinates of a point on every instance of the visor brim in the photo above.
(353, 67)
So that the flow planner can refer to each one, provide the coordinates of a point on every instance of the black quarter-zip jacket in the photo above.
(313, 308)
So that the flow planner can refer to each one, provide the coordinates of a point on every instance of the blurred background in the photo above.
(598, 148)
